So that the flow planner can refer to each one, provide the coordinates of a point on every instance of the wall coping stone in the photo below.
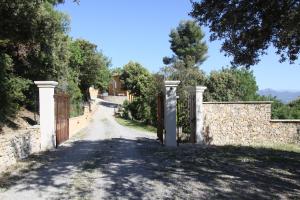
(200, 88)
(239, 102)
(46, 84)
(285, 120)
(171, 83)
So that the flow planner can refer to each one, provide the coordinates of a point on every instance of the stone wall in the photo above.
(78, 123)
(247, 123)
(290, 129)
(18, 145)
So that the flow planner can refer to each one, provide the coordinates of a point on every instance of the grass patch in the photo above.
(287, 147)
(282, 147)
(135, 125)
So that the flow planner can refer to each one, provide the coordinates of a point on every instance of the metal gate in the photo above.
(192, 116)
(62, 109)
(160, 117)
(186, 117)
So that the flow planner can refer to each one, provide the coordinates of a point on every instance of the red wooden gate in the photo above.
(160, 117)
(62, 109)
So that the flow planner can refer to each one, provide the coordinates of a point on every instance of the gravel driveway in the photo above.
(109, 161)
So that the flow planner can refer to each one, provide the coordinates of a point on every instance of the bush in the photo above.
(126, 111)
(12, 89)
(281, 110)
(144, 86)
(230, 84)
(138, 110)
(76, 98)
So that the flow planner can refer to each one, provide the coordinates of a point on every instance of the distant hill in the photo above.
(284, 96)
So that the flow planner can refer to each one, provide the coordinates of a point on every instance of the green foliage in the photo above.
(126, 110)
(28, 22)
(76, 97)
(136, 79)
(32, 31)
(248, 28)
(34, 46)
(86, 67)
(117, 70)
(295, 109)
(140, 109)
(104, 76)
(32, 37)
(186, 43)
(281, 110)
(11, 88)
(188, 76)
(91, 66)
(145, 87)
(231, 84)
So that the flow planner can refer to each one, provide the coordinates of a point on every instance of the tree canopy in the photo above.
(91, 66)
(136, 78)
(248, 28)
(231, 84)
(280, 110)
(34, 45)
(187, 44)
(144, 86)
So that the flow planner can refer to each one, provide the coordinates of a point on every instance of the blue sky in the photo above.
(139, 30)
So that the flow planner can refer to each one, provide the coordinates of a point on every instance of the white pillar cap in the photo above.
(200, 88)
(172, 83)
(46, 84)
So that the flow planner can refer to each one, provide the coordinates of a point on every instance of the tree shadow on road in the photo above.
(136, 169)
(109, 104)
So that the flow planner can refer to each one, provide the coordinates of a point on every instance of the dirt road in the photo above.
(109, 161)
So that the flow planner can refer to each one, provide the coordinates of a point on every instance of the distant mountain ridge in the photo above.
(284, 96)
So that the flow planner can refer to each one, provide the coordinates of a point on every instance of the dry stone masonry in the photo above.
(247, 123)
(18, 145)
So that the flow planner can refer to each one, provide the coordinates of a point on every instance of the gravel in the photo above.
(109, 161)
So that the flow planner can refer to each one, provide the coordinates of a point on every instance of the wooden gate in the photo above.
(62, 109)
(160, 117)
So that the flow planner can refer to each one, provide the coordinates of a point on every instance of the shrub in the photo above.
(11, 90)
(126, 111)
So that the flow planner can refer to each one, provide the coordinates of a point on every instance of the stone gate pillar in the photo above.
(199, 114)
(170, 112)
(47, 114)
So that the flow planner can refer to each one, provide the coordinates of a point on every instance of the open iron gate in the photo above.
(186, 117)
(62, 109)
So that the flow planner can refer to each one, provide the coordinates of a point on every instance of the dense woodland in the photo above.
(34, 45)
